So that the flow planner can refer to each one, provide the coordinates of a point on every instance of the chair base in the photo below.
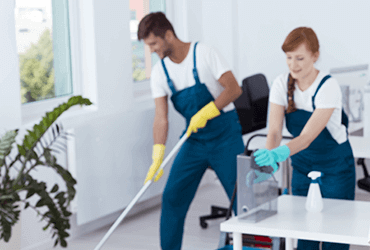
(216, 212)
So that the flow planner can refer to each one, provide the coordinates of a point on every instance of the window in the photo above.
(44, 62)
(142, 59)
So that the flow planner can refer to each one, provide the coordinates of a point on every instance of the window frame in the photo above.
(35, 110)
(142, 91)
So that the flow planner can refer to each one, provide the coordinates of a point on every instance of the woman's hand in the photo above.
(265, 157)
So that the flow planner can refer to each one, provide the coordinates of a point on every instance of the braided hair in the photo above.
(291, 87)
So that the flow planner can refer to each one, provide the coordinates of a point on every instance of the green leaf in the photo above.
(67, 213)
(38, 130)
(44, 124)
(31, 192)
(33, 135)
(30, 141)
(57, 111)
(64, 106)
(21, 150)
(54, 189)
(63, 243)
(60, 195)
(61, 201)
(6, 235)
(6, 144)
(6, 197)
(51, 117)
(33, 155)
(40, 203)
(46, 227)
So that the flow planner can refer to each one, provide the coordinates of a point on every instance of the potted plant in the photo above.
(17, 185)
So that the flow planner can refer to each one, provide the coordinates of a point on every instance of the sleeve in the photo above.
(217, 63)
(329, 95)
(156, 82)
(278, 94)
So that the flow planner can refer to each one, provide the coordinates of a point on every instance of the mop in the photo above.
(141, 192)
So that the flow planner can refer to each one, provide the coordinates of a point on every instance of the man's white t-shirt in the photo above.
(329, 96)
(210, 65)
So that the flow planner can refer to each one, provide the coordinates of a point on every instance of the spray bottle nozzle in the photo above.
(314, 175)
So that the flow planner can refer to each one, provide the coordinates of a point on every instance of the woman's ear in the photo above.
(316, 56)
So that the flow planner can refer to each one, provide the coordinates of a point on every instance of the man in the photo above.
(202, 89)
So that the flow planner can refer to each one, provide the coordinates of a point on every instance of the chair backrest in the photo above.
(252, 105)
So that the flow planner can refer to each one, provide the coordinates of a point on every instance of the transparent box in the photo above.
(258, 199)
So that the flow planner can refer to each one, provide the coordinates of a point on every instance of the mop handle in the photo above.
(141, 192)
(174, 150)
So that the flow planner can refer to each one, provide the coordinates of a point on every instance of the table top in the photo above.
(340, 221)
(360, 145)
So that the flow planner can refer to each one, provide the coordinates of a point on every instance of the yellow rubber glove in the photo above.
(157, 156)
(199, 120)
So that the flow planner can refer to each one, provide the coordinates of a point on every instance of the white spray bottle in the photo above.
(314, 201)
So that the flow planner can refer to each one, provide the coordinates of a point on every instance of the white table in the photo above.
(340, 221)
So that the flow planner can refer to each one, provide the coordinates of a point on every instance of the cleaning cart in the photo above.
(259, 199)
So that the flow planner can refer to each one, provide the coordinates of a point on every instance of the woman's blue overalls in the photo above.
(215, 145)
(324, 154)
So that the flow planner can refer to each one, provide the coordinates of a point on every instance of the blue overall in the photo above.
(324, 154)
(215, 145)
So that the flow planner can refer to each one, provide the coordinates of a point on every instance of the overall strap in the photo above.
(318, 88)
(195, 72)
(169, 81)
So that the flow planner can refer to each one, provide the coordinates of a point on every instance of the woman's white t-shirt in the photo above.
(210, 65)
(329, 96)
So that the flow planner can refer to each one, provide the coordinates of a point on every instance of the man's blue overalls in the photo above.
(216, 145)
(324, 154)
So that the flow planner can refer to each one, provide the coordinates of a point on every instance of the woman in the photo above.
(310, 100)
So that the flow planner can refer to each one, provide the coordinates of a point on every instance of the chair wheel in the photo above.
(203, 224)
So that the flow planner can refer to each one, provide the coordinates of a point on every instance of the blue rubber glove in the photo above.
(256, 176)
(265, 157)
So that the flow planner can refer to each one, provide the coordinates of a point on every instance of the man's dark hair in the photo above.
(155, 23)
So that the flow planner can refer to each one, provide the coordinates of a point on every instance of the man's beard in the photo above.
(167, 52)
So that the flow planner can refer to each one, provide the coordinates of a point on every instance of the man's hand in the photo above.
(199, 120)
(157, 156)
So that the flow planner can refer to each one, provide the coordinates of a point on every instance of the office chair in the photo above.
(365, 182)
(251, 107)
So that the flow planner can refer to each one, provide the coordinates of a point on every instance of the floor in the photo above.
(141, 232)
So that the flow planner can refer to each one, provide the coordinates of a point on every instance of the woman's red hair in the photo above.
(296, 37)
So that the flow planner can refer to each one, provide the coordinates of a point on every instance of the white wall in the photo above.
(213, 18)
(342, 27)
(249, 34)
(10, 102)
